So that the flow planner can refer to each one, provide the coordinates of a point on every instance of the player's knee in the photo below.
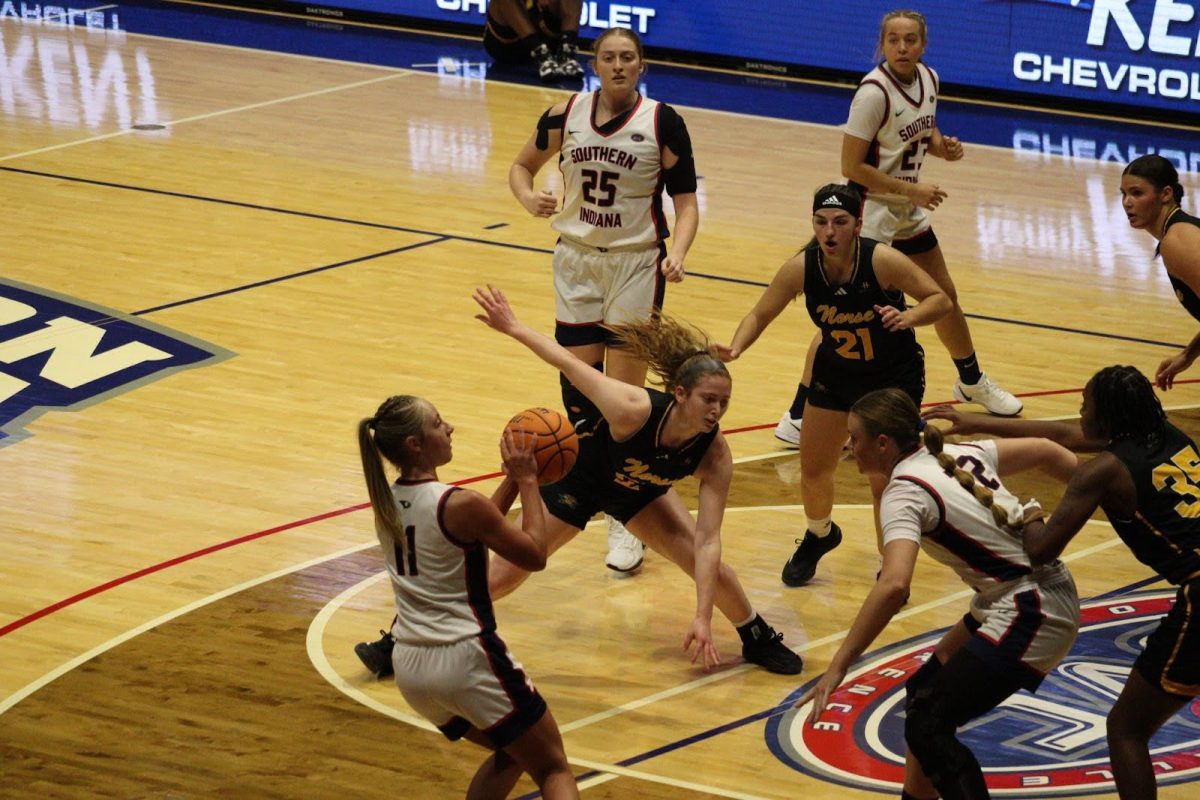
(929, 734)
(922, 678)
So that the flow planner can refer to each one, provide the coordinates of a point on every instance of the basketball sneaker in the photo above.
(625, 551)
(546, 61)
(770, 653)
(801, 567)
(377, 656)
(991, 396)
(568, 62)
(788, 429)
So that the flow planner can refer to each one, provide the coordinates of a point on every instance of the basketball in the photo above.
(557, 445)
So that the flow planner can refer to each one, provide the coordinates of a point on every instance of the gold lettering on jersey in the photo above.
(830, 316)
(607, 155)
(599, 219)
(1182, 476)
(635, 472)
(917, 127)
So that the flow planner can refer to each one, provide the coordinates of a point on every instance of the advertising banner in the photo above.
(1130, 52)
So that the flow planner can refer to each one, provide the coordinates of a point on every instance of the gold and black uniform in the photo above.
(621, 478)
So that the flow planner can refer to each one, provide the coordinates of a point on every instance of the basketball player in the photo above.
(616, 150)
(891, 126)
(1150, 195)
(450, 664)
(1144, 479)
(854, 288)
(949, 501)
(644, 441)
(545, 32)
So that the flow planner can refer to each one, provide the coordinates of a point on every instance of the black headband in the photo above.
(842, 198)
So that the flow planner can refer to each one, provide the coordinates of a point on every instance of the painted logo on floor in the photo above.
(57, 353)
(1051, 743)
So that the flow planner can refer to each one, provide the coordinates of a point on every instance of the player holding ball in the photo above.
(556, 446)
(646, 441)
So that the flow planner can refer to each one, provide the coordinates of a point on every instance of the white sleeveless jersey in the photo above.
(922, 503)
(613, 182)
(896, 119)
(441, 588)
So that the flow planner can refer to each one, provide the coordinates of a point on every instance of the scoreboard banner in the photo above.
(1128, 52)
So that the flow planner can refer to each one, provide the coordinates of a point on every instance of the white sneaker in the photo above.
(996, 400)
(788, 429)
(625, 551)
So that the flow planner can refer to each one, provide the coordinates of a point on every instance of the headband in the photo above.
(839, 197)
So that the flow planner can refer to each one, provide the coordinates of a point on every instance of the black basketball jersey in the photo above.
(852, 335)
(1164, 533)
(641, 462)
(1182, 291)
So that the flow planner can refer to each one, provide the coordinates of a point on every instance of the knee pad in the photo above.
(921, 678)
(929, 733)
(577, 405)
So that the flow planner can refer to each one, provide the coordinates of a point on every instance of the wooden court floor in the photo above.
(185, 563)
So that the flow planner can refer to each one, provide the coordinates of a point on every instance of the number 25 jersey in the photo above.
(613, 181)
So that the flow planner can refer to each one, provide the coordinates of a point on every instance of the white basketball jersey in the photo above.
(955, 529)
(897, 119)
(613, 194)
(441, 588)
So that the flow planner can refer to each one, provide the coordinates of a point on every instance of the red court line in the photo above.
(141, 573)
(95, 590)
(1046, 393)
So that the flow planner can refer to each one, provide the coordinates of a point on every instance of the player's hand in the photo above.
(952, 149)
(892, 319)
(700, 634)
(516, 454)
(960, 421)
(672, 269)
(498, 314)
(726, 353)
(1168, 368)
(542, 204)
(819, 694)
(926, 195)
(1032, 512)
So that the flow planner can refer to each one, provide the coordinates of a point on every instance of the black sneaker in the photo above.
(377, 656)
(546, 61)
(568, 62)
(801, 567)
(771, 654)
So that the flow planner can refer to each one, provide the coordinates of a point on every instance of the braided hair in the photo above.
(385, 436)
(892, 413)
(1126, 406)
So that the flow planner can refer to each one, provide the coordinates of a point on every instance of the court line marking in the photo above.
(614, 771)
(317, 628)
(210, 114)
(438, 238)
(129, 577)
(100, 649)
